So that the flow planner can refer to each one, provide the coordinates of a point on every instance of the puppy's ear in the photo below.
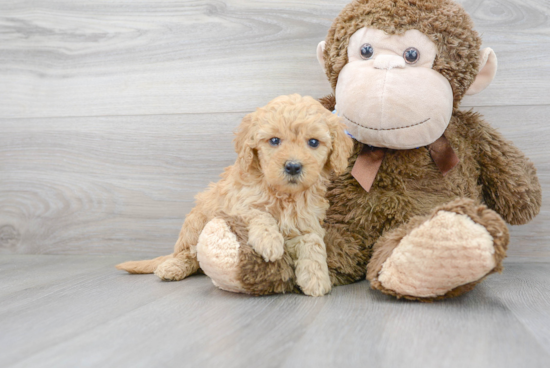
(245, 142)
(342, 146)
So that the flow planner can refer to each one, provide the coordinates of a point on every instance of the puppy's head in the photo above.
(292, 141)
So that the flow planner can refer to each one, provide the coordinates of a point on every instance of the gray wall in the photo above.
(114, 114)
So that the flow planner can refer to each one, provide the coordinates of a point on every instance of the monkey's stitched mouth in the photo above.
(382, 129)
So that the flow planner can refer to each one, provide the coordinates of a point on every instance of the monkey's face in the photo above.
(389, 95)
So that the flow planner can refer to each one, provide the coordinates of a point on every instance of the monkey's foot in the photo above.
(442, 255)
(226, 257)
(218, 255)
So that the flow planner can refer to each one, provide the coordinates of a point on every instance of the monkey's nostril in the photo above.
(293, 167)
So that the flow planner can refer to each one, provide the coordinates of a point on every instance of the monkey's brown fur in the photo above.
(363, 228)
(491, 169)
(409, 187)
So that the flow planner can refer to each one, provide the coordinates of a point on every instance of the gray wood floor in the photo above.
(114, 114)
(78, 311)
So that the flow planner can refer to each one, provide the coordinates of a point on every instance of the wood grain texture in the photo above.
(106, 185)
(82, 312)
(95, 58)
(114, 114)
(112, 185)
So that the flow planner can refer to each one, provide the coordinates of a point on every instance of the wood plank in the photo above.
(203, 316)
(52, 270)
(118, 320)
(525, 290)
(364, 328)
(116, 185)
(44, 315)
(512, 28)
(106, 185)
(97, 58)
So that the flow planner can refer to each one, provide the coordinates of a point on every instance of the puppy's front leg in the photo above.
(264, 235)
(311, 264)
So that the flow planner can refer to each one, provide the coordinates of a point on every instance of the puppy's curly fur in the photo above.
(280, 210)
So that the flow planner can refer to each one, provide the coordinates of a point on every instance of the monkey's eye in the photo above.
(275, 141)
(411, 55)
(313, 143)
(367, 51)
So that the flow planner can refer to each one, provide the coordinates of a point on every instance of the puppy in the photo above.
(286, 152)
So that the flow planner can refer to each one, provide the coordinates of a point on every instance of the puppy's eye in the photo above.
(367, 51)
(274, 141)
(313, 143)
(411, 55)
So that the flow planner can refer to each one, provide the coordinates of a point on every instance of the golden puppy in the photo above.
(286, 152)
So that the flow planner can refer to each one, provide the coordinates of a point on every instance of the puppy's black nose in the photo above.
(293, 167)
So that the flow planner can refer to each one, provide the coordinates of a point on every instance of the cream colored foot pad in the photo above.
(441, 254)
(218, 255)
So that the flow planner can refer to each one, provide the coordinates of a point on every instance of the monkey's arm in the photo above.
(509, 178)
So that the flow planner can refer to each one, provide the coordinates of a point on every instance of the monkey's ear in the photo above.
(321, 54)
(487, 71)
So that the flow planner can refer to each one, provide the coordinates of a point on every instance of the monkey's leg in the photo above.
(442, 255)
(233, 265)
(347, 254)
(184, 259)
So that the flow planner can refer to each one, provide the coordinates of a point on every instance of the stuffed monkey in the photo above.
(428, 191)
(422, 209)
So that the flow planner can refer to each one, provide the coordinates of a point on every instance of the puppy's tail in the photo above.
(147, 266)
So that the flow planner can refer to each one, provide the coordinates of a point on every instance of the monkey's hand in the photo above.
(509, 178)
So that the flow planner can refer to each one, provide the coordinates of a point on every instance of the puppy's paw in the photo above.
(267, 242)
(313, 278)
(171, 270)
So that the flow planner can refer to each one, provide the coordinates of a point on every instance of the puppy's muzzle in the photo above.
(293, 168)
